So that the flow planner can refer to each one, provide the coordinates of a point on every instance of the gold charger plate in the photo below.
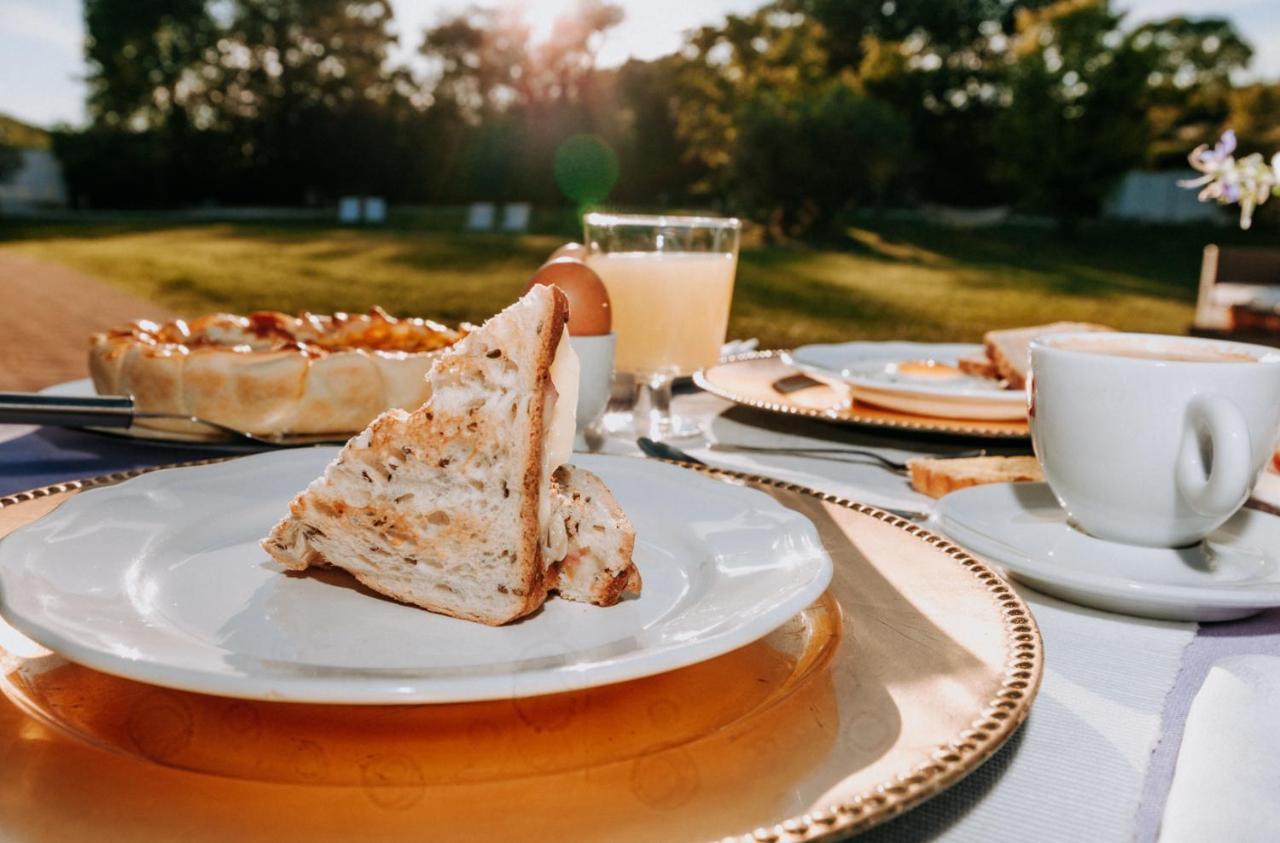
(753, 380)
(913, 668)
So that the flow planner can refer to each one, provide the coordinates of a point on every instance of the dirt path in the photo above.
(47, 313)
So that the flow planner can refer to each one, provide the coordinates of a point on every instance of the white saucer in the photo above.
(1233, 573)
(871, 371)
(160, 579)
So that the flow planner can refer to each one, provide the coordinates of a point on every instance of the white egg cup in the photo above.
(595, 360)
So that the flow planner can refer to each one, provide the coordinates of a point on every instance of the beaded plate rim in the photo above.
(948, 762)
(938, 426)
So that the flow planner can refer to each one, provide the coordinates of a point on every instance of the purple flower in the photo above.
(1248, 182)
(1208, 160)
(1221, 150)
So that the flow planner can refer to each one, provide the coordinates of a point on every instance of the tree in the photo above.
(762, 116)
(653, 164)
(1189, 87)
(1187, 54)
(145, 58)
(938, 62)
(1075, 120)
(245, 100)
(10, 159)
(1253, 111)
(305, 91)
(770, 52)
(485, 61)
(520, 99)
(798, 161)
(942, 27)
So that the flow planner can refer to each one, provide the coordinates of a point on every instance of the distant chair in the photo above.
(1239, 294)
(480, 216)
(515, 217)
(375, 210)
(967, 218)
(349, 210)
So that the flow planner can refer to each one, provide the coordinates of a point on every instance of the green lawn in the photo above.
(884, 280)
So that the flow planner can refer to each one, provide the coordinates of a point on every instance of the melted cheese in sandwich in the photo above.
(560, 416)
(557, 444)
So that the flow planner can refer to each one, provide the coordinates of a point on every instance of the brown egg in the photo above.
(569, 250)
(589, 313)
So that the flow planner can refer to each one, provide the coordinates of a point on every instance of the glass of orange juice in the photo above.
(670, 282)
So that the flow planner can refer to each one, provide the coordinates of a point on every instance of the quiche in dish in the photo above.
(271, 373)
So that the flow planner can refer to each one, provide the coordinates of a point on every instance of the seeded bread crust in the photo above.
(443, 507)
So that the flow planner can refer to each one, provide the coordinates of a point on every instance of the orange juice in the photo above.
(670, 309)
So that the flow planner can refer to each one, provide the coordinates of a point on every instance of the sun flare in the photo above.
(541, 15)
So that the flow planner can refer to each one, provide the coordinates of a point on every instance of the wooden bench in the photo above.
(1230, 278)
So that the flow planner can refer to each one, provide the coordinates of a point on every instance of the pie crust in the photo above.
(268, 372)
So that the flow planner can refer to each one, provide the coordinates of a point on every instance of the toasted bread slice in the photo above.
(938, 477)
(978, 365)
(1010, 350)
(596, 565)
(447, 507)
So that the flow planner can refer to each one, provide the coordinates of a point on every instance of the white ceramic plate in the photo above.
(161, 579)
(1234, 573)
(872, 371)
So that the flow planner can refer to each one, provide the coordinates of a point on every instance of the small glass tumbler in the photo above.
(670, 283)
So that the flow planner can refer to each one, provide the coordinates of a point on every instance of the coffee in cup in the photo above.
(1149, 439)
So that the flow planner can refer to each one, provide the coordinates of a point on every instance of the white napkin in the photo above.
(1227, 782)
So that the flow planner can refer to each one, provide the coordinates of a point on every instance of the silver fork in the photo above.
(120, 411)
(823, 452)
(663, 451)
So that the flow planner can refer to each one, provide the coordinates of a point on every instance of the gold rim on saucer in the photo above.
(917, 664)
(761, 380)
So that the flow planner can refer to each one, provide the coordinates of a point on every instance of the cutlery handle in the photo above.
(57, 411)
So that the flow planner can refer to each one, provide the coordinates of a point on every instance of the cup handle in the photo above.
(1231, 475)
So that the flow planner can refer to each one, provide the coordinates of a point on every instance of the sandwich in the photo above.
(466, 506)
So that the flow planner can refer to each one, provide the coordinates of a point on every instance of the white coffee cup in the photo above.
(1149, 439)
(595, 364)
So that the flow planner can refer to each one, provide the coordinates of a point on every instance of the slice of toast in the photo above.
(449, 507)
(596, 566)
(938, 477)
(1010, 350)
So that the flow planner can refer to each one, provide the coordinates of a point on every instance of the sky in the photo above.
(42, 67)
